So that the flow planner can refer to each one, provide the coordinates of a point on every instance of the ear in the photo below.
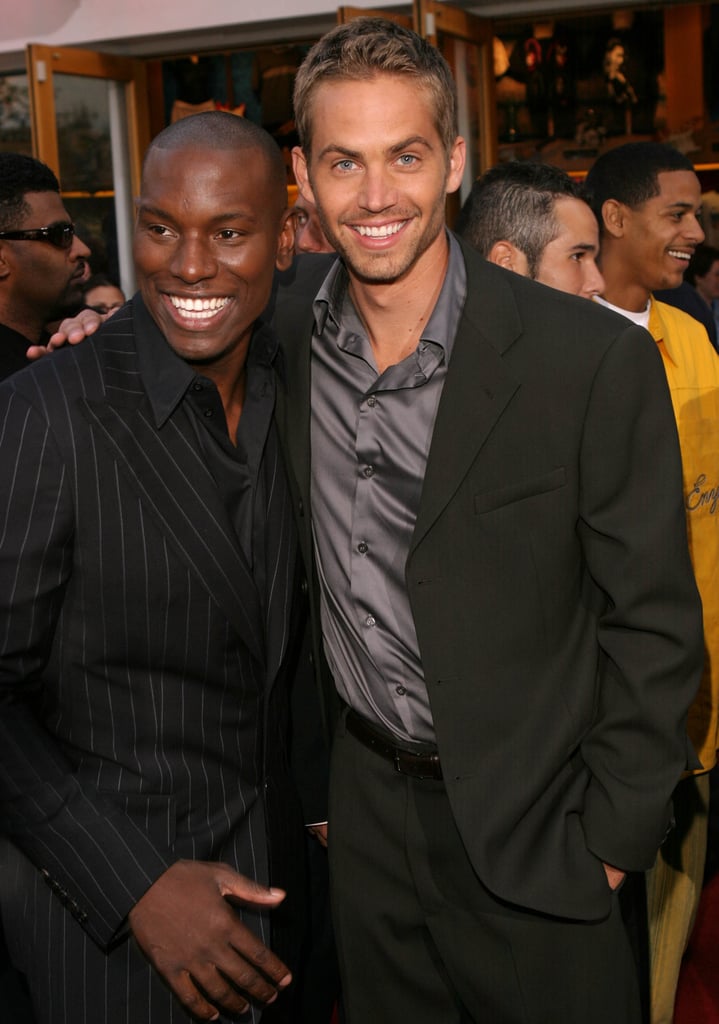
(457, 159)
(614, 216)
(286, 241)
(5, 268)
(299, 166)
(506, 254)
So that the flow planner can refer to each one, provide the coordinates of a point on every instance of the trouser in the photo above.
(421, 939)
(673, 889)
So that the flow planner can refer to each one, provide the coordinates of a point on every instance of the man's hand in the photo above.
(319, 832)
(615, 877)
(187, 929)
(72, 330)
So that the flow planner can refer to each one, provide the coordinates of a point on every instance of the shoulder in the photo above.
(73, 370)
(678, 319)
(546, 322)
(302, 280)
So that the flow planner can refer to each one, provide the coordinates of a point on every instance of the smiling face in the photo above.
(661, 234)
(208, 235)
(378, 174)
(569, 260)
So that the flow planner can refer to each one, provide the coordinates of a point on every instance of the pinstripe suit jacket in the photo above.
(140, 676)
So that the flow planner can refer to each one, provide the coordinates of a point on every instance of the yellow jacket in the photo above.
(692, 368)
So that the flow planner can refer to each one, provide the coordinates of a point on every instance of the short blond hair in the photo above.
(366, 47)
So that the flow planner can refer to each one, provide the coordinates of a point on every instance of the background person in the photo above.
(102, 295)
(531, 218)
(42, 262)
(309, 236)
(646, 197)
(698, 294)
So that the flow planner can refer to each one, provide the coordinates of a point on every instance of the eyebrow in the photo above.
(584, 247)
(221, 218)
(355, 154)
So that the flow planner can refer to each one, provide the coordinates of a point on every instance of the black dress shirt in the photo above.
(13, 346)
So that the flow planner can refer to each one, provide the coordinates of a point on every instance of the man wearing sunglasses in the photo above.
(43, 264)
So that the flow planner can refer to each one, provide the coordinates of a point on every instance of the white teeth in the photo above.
(680, 255)
(198, 309)
(378, 232)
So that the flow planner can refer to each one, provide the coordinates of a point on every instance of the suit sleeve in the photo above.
(633, 530)
(97, 861)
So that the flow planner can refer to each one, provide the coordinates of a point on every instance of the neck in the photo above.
(230, 378)
(621, 291)
(395, 314)
(30, 325)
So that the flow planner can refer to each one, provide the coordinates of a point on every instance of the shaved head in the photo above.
(222, 131)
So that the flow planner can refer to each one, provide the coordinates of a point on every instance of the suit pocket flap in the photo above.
(519, 491)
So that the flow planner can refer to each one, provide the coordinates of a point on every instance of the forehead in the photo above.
(369, 109)
(193, 179)
(45, 208)
(106, 292)
(577, 224)
(677, 187)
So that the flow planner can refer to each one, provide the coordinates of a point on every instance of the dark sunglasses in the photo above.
(60, 235)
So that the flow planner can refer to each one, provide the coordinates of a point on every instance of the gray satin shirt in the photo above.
(371, 435)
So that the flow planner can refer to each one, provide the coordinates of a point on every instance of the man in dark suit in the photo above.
(43, 264)
(492, 507)
(147, 567)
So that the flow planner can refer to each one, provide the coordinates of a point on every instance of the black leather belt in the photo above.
(406, 762)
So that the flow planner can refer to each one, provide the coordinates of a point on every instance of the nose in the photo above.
(192, 260)
(378, 192)
(78, 250)
(593, 283)
(695, 232)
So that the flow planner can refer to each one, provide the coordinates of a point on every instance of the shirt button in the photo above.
(370, 621)
(368, 471)
(197, 386)
(372, 401)
(401, 691)
(208, 414)
(362, 547)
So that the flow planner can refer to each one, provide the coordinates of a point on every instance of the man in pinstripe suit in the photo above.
(147, 565)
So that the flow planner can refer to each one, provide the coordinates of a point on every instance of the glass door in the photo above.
(90, 125)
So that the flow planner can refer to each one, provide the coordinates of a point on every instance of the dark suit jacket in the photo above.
(13, 347)
(557, 618)
(142, 682)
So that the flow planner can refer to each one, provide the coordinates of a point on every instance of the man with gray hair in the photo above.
(532, 218)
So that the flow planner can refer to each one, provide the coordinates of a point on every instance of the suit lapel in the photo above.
(173, 483)
(293, 320)
(477, 389)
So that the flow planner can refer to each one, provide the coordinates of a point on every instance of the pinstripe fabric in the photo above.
(136, 726)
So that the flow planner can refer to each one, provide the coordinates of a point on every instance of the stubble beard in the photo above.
(385, 267)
